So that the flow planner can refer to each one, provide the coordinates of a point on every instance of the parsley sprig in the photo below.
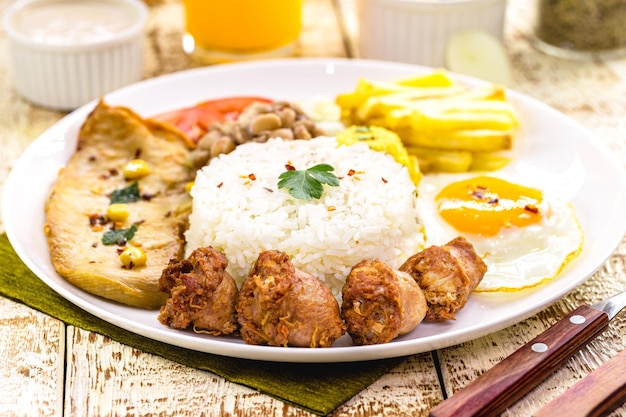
(119, 236)
(308, 184)
(129, 194)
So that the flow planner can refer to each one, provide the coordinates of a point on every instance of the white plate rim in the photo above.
(606, 175)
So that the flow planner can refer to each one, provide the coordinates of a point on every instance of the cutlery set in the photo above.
(595, 395)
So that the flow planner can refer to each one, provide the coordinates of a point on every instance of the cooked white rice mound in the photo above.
(239, 210)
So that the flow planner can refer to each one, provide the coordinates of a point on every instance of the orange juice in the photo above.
(233, 27)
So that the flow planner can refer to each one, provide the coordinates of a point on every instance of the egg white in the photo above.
(517, 257)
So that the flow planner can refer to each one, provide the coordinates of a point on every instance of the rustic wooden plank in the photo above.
(595, 394)
(32, 345)
(463, 363)
(411, 389)
(347, 11)
(321, 35)
(32, 351)
(564, 85)
(511, 378)
(107, 378)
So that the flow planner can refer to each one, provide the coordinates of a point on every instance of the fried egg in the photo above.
(524, 235)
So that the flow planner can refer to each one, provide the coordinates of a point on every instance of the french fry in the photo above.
(488, 103)
(350, 102)
(367, 88)
(476, 114)
(434, 79)
(436, 160)
(446, 125)
(379, 121)
(380, 105)
(475, 140)
(370, 88)
(488, 161)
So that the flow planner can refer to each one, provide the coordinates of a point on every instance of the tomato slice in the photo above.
(194, 121)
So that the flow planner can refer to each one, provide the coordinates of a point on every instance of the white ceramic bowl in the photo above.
(66, 53)
(418, 31)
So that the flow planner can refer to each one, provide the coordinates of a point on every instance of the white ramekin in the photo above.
(64, 76)
(417, 31)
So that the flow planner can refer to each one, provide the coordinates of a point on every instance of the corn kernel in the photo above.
(118, 212)
(136, 169)
(189, 186)
(132, 257)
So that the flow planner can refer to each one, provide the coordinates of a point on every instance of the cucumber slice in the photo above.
(478, 54)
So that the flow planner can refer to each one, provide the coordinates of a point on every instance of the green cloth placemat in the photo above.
(318, 388)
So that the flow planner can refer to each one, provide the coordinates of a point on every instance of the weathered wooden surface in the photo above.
(49, 369)
(593, 93)
(31, 361)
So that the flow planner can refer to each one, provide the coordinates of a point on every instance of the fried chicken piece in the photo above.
(380, 304)
(279, 305)
(447, 275)
(200, 294)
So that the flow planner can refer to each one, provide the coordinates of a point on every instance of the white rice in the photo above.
(371, 215)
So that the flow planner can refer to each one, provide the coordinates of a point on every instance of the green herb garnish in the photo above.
(363, 133)
(308, 184)
(129, 194)
(119, 236)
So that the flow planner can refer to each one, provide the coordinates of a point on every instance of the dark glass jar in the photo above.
(581, 28)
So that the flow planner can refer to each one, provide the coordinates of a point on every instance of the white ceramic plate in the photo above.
(550, 146)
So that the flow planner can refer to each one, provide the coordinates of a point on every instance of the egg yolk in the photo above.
(483, 205)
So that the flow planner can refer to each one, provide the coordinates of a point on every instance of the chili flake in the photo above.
(532, 209)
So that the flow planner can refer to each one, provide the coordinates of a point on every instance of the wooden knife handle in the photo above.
(505, 383)
(595, 395)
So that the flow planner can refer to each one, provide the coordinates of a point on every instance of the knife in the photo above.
(595, 395)
(501, 386)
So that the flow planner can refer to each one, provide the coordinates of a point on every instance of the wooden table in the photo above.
(50, 369)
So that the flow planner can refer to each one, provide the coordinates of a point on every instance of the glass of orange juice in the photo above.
(233, 30)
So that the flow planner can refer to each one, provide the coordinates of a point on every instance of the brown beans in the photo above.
(287, 116)
(257, 123)
(223, 144)
(265, 122)
(284, 133)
